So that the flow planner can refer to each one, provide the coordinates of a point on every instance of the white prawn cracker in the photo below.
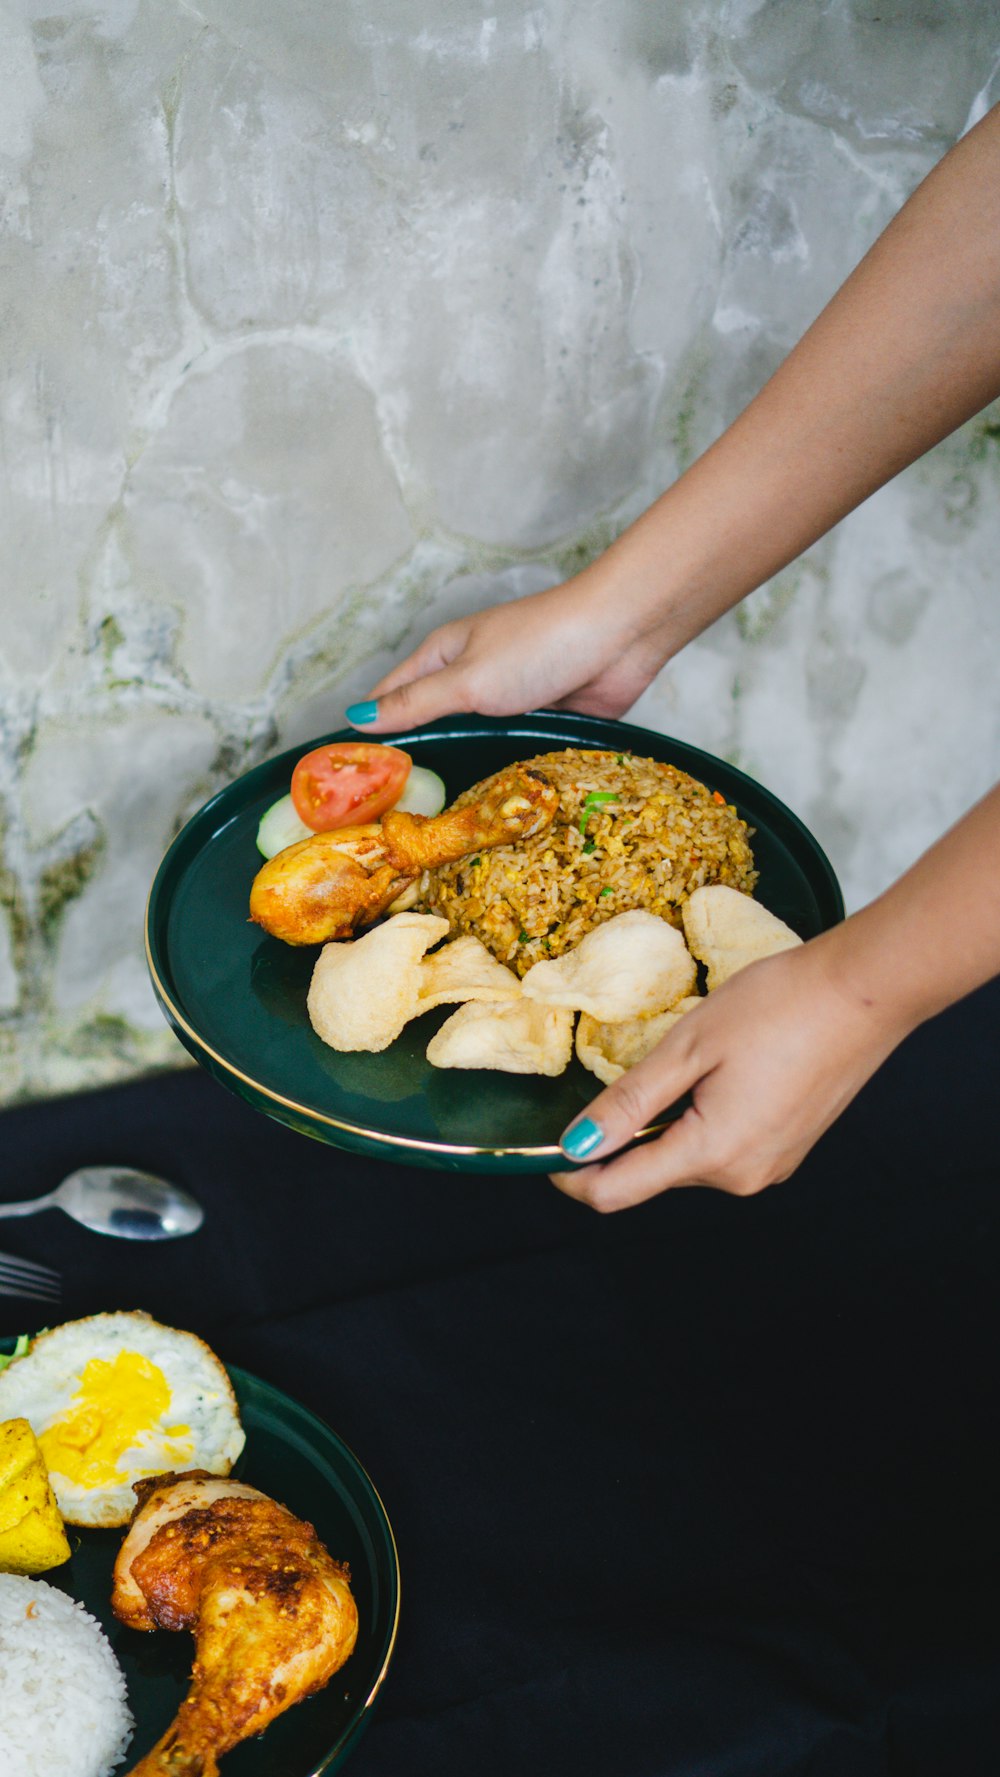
(632, 966)
(515, 1037)
(609, 1050)
(726, 930)
(364, 990)
(464, 970)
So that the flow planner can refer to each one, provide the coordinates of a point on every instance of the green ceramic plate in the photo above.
(237, 998)
(298, 1459)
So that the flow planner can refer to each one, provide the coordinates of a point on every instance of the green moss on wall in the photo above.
(62, 881)
(14, 910)
(104, 1034)
(758, 615)
(585, 549)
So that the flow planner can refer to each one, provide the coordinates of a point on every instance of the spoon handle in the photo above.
(30, 1207)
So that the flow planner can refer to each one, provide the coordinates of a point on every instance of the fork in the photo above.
(23, 1277)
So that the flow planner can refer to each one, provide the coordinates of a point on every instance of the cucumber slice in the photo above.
(280, 826)
(423, 792)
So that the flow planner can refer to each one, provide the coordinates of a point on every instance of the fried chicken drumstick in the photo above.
(324, 887)
(272, 1612)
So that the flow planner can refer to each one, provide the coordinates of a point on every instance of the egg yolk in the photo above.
(116, 1401)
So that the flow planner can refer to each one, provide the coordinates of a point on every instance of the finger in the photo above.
(677, 1158)
(437, 650)
(412, 704)
(622, 1110)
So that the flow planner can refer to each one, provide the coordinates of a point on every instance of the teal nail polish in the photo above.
(362, 712)
(582, 1139)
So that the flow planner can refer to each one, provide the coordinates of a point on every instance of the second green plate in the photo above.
(299, 1460)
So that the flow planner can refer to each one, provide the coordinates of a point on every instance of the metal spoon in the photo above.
(119, 1200)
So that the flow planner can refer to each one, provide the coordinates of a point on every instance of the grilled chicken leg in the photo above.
(272, 1612)
(325, 886)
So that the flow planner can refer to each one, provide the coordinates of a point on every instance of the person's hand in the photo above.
(771, 1059)
(571, 647)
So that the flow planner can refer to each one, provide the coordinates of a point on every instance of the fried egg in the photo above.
(114, 1398)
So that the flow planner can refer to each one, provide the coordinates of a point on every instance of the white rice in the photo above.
(63, 1711)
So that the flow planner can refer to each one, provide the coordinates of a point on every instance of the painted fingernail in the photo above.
(582, 1138)
(362, 712)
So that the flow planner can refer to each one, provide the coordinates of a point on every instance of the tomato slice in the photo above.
(347, 783)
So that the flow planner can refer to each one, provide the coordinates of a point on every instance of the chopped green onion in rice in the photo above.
(628, 833)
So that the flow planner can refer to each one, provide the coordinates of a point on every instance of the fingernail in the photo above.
(582, 1138)
(362, 712)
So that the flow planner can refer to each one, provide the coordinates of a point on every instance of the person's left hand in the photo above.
(771, 1059)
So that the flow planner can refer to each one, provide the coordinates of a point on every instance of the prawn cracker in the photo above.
(364, 990)
(464, 970)
(726, 930)
(517, 1037)
(609, 1050)
(632, 966)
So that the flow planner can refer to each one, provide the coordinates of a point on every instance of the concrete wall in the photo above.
(323, 321)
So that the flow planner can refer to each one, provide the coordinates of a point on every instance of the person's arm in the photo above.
(774, 1055)
(906, 351)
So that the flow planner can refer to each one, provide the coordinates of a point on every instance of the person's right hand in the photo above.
(571, 647)
(770, 1058)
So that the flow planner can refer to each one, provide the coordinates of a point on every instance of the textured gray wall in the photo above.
(323, 321)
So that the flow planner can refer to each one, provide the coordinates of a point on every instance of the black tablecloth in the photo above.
(707, 1489)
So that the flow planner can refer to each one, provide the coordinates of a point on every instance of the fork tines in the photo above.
(23, 1277)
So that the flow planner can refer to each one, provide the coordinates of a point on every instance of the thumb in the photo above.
(623, 1110)
(412, 704)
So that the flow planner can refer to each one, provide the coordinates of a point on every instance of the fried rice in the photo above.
(629, 832)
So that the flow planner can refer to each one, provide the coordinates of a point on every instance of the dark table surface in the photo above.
(707, 1489)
